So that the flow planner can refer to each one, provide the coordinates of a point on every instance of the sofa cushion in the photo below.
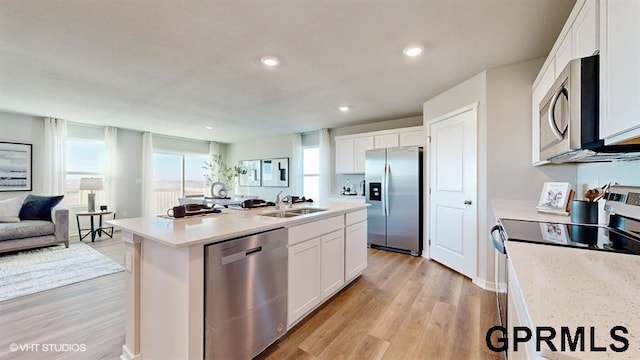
(38, 207)
(25, 229)
(10, 209)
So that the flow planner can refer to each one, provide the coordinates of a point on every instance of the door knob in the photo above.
(467, 202)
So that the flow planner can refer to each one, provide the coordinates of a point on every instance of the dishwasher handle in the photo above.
(253, 251)
(243, 254)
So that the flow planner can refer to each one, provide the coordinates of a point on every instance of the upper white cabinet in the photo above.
(386, 141)
(351, 149)
(579, 38)
(584, 31)
(619, 70)
(345, 156)
(361, 145)
(412, 138)
(564, 54)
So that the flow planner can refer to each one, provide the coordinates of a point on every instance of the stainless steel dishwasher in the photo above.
(245, 304)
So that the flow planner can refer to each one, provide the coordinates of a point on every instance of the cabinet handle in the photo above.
(467, 202)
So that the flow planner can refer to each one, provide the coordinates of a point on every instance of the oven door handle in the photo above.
(497, 243)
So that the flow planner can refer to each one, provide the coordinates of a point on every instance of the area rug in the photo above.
(32, 271)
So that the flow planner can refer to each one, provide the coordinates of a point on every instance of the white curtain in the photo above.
(111, 166)
(325, 165)
(148, 195)
(296, 175)
(214, 148)
(55, 165)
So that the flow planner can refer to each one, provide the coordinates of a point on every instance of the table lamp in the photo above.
(91, 184)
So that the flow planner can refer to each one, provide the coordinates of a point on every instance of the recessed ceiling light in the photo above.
(209, 127)
(344, 108)
(270, 60)
(413, 50)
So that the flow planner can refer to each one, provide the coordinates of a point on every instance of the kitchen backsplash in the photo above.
(342, 181)
(599, 174)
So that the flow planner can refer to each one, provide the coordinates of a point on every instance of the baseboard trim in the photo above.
(126, 354)
(484, 284)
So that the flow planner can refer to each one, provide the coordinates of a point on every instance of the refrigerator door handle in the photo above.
(387, 169)
(384, 191)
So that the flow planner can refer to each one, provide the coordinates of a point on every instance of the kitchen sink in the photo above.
(280, 214)
(303, 211)
(292, 212)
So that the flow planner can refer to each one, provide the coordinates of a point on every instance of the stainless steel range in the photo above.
(621, 235)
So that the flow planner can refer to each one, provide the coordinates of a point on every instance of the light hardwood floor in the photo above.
(401, 308)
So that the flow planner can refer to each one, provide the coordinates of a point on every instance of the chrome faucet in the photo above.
(280, 202)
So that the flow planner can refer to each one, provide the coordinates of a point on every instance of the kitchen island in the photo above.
(165, 269)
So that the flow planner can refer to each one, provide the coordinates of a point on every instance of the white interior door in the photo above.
(453, 175)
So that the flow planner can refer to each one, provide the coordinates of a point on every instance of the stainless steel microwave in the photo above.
(569, 110)
(569, 118)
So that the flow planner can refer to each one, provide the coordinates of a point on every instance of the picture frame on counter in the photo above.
(16, 166)
(555, 198)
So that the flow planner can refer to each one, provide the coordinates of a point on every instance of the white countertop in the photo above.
(230, 223)
(524, 210)
(571, 287)
(574, 287)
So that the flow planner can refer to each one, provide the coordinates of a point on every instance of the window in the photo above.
(85, 158)
(176, 176)
(311, 172)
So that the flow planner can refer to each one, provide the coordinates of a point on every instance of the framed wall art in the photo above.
(251, 172)
(16, 167)
(275, 172)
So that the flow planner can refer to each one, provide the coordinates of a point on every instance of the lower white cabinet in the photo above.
(517, 317)
(304, 277)
(332, 260)
(323, 257)
(355, 245)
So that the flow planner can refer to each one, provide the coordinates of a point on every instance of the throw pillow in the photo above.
(10, 209)
(38, 207)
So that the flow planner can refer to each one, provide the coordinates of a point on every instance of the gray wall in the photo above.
(504, 144)
(270, 147)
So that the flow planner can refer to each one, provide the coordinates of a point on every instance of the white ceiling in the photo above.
(175, 66)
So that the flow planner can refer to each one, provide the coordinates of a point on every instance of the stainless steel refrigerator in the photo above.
(394, 192)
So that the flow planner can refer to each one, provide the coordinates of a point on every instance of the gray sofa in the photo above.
(28, 234)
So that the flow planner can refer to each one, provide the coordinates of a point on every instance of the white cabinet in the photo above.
(332, 262)
(564, 54)
(584, 31)
(619, 70)
(385, 141)
(355, 245)
(517, 316)
(315, 266)
(360, 147)
(412, 138)
(351, 149)
(578, 38)
(345, 160)
(304, 276)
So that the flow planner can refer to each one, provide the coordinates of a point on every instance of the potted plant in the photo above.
(219, 172)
